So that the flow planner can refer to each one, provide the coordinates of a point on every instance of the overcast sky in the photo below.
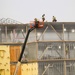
(26, 10)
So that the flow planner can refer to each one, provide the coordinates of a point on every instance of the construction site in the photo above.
(49, 50)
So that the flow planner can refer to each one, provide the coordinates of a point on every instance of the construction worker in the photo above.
(54, 19)
(67, 51)
(37, 23)
(43, 17)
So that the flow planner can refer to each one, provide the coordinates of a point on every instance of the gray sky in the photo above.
(26, 10)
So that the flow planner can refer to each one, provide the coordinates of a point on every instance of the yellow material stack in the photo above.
(29, 69)
(10, 54)
(4, 60)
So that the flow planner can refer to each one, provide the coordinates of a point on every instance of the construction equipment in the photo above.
(35, 24)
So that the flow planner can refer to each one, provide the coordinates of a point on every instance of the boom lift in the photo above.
(35, 24)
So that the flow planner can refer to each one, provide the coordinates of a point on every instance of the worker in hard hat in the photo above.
(54, 19)
(43, 17)
(38, 24)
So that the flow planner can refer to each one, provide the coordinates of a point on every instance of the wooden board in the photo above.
(14, 53)
(12, 70)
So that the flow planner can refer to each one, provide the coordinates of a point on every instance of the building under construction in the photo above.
(49, 50)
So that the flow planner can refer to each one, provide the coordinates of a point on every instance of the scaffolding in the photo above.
(9, 21)
(52, 47)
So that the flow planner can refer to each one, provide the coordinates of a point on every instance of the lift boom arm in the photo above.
(23, 48)
(39, 25)
(24, 45)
